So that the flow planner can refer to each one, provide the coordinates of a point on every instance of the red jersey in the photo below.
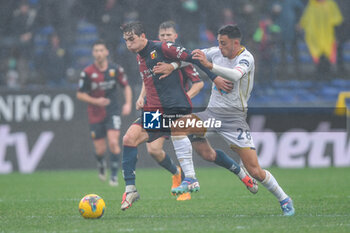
(98, 83)
(190, 76)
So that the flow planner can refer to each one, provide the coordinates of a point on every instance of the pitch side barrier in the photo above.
(47, 129)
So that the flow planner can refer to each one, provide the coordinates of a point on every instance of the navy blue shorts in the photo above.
(153, 134)
(99, 130)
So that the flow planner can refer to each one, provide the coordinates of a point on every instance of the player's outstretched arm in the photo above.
(179, 53)
(195, 89)
(227, 73)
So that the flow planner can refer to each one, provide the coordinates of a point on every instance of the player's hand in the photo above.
(223, 85)
(102, 102)
(200, 56)
(126, 109)
(163, 68)
(139, 103)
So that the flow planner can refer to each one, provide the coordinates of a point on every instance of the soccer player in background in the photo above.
(98, 87)
(192, 85)
(235, 63)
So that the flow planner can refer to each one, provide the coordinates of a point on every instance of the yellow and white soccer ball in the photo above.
(92, 206)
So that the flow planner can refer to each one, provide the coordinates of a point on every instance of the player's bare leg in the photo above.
(114, 148)
(133, 137)
(250, 161)
(204, 149)
(100, 150)
(155, 149)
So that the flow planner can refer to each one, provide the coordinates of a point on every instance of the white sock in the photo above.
(130, 188)
(183, 150)
(241, 174)
(271, 184)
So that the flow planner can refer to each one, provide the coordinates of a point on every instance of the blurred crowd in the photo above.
(46, 42)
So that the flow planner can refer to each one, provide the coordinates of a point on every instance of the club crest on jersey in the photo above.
(112, 72)
(154, 54)
(94, 75)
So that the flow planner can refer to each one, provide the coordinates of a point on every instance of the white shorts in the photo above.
(234, 128)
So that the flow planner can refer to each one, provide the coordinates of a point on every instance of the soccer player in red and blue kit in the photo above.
(165, 95)
(98, 87)
(192, 85)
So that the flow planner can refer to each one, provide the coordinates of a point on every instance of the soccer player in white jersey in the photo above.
(235, 63)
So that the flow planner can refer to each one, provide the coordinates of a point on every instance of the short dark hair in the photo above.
(232, 31)
(133, 27)
(100, 42)
(168, 24)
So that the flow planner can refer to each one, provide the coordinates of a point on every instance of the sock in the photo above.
(241, 174)
(129, 164)
(168, 164)
(271, 184)
(114, 164)
(183, 150)
(130, 188)
(225, 161)
(99, 158)
(101, 162)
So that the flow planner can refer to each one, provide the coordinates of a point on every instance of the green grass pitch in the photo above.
(48, 202)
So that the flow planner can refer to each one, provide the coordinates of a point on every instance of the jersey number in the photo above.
(241, 132)
(116, 122)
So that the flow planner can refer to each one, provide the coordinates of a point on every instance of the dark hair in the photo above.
(99, 42)
(232, 31)
(168, 24)
(133, 27)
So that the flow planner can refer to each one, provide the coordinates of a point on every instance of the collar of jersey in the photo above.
(240, 51)
(143, 52)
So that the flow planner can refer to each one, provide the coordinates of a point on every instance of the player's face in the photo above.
(167, 34)
(134, 43)
(100, 52)
(228, 46)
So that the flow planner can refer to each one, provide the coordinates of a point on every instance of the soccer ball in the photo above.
(92, 206)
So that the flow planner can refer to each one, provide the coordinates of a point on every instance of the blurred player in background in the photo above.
(192, 85)
(98, 87)
(235, 63)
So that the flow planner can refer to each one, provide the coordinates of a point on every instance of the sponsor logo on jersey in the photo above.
(112, 72)
(222, 91)
(148, 73)
(154, 54)
(94, 75)
(106, 85)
